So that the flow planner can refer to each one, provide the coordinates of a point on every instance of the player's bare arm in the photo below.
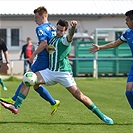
(40, 48)
(6, 55)
(96, 47)
(72, 30)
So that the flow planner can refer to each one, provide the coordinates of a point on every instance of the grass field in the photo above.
(72, 116)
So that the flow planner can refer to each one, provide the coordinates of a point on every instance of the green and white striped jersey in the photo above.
(59, 49)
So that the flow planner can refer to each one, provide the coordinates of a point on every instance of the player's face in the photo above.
(129, 22)
(38, 19)
(60, 31)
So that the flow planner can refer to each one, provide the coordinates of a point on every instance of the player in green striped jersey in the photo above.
(60, 69)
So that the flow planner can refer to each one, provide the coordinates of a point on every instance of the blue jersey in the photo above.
(44, 32)
(128, 38)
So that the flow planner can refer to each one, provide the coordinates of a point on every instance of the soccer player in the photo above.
(60, 70)
(128, 38)
(44, 32)
(3, 49)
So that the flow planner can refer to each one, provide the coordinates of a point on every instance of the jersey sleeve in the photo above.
(65, 41)
(41, 34)
(123, 37)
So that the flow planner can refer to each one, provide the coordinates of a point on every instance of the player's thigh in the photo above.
(46, 77)
(65, 79)
(40, 78)
(129, 86)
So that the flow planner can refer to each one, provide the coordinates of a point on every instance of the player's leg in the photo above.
(41, 90)
(2, 84)
(68, 82)
(13, 99)
(129, 93)
(25, 66)
(129, 87)
(22, 95)
(1, 80)
(88, 103)
(17, 92)
(20, 98)
(44, 93)
(24, 92)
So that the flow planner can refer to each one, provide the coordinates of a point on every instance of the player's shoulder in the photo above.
(51, 26)
(44, 26)
(129, 30)
(39, 27)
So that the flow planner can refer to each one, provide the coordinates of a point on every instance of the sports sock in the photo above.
(2, 83)
(95, 110)
(129, 95)
(43, 92)
(19, 100)
(17, 92)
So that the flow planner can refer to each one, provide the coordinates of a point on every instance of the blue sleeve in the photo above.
(41, 34)
(123, 37)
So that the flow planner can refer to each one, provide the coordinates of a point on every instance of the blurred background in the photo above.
(99, 21)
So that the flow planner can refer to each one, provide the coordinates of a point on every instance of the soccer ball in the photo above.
(30, 79)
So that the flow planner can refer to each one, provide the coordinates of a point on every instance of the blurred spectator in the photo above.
(27, 50)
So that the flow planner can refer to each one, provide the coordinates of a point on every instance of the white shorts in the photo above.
(53, 77)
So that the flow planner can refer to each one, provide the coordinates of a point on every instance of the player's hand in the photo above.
(73, 23)
(94, 49)
(32, 58)
(7, 66)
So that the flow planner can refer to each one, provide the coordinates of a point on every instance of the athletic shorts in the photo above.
(53, 77)
(130, 75)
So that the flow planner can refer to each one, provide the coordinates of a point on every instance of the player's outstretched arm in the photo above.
(113, 44)
(72, 30)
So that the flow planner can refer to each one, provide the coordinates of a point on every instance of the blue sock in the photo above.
(17, 92)
(43, 92)
(129, 95)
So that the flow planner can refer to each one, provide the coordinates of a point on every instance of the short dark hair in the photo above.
(63, 23)
(28, 38)
(129, 14)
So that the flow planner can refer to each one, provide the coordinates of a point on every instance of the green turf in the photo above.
(72, 116)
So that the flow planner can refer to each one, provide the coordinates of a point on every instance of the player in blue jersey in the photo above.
(128, 38)
(44, 32)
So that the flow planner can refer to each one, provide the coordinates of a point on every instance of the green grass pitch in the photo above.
(72, 116)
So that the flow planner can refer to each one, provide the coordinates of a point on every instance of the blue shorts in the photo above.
(39, 64)
(130, 75)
